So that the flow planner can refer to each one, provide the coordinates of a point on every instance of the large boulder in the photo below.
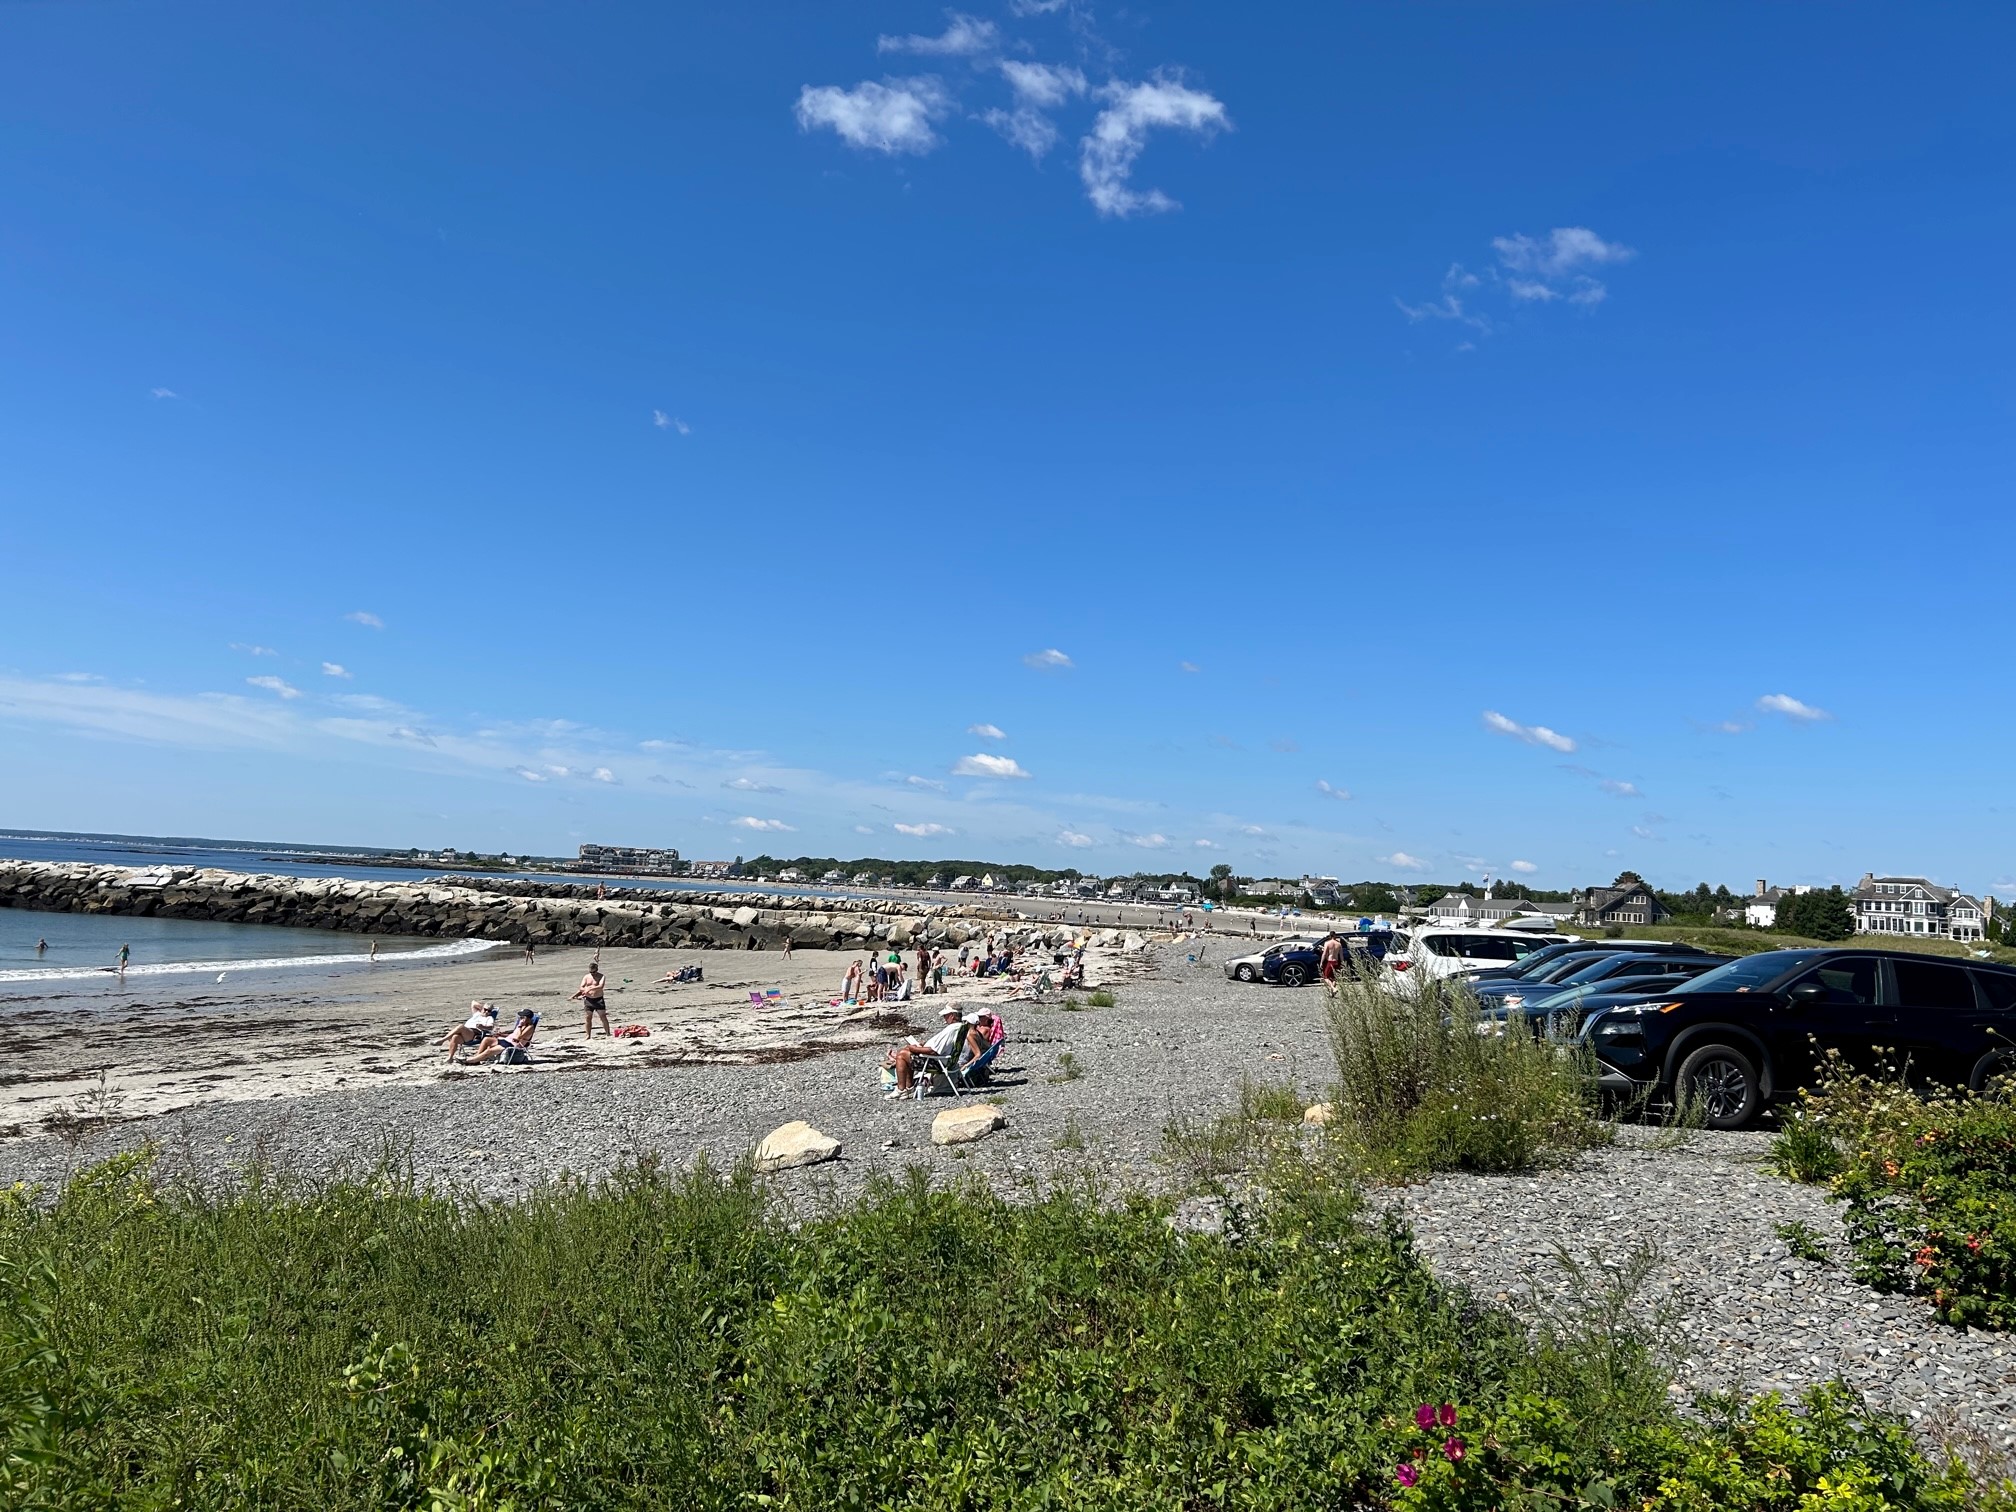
(795, 1144)
(966, 1123)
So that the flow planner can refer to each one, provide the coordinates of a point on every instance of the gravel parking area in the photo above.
(1753, 1315)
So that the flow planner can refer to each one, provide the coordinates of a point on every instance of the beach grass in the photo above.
(664, 1339)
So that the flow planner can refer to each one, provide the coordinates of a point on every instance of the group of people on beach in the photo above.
(964, 1042)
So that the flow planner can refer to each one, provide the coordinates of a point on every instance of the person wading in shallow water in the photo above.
(593, 1001)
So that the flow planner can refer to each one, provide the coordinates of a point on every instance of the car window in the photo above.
(1566, 967)
(1491, 948)
(1999, 987)
(1849, 980)
(1932, 984)
(1752, 973)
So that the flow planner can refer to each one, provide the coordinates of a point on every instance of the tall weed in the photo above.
(1425, 1084)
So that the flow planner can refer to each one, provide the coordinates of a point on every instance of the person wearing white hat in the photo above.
(904, 1057)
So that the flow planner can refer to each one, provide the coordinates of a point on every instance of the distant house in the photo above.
(1760, 909)
(1272, 887)
(1917, 906)
(938, 880)
(1461, 908)
(964, 884)
(1633, 903)
(710, 868)
(832, 874)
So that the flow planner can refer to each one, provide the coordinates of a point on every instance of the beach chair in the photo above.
(519, 1055)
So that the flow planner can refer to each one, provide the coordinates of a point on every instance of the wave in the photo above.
(452, 950)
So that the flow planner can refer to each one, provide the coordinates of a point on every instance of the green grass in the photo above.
(1101, 999)
(662, 1341)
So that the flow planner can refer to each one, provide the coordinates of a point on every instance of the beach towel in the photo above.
(630, 1031)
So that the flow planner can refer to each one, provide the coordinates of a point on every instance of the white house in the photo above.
(1916, 906)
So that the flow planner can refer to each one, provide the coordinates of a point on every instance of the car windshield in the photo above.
(1539, 959)
(1754, 973)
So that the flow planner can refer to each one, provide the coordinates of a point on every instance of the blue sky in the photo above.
(1382, 440)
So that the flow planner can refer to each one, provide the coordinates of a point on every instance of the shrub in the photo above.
(660, 1340)
(1930, 1184)
(1101, 999)
(1277, 1101)
(1425, 1084)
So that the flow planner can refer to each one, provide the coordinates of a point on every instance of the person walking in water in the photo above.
(124, 952)
(41, 947)
(591, 992)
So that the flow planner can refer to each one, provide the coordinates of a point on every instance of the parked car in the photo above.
(1595, 975)
(1302, 963)
(1440, 951)
(1531, 966)
(1246, 968)
(1733, 1040)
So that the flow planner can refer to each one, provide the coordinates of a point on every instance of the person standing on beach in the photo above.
(787, 947)
(374, 952)
(593, 998)
(528, 953)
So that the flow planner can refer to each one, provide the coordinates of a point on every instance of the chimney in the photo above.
(1761, 888)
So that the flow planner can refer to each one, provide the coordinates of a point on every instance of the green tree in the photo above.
(1817, 915)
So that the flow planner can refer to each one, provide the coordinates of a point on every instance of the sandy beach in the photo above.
(153, 1045)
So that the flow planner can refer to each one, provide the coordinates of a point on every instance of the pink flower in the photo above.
(1424, 1416)
(1406, 1474)
(1453, 1448)
(1446, 1415)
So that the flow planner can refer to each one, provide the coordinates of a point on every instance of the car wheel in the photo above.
(1244, 973)
(1294, 976)
(1721, 1082)
(1995, 1076)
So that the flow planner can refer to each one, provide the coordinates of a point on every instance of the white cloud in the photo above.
(1051, 660)
(1563, 251)
(1730, 727)
(250, 650)
(560, 771)
(79, 677)
(893, 117)
(1043, 85)
(366, 618)
(1532, 734)
(1543, 269)
(1617, 789)
(987, 731)
(1401, 861)
(913, 780)
(983, 765)
(1334, 792)
(1038, 87)
(275, 685)
(1251, 829)
(1524, 868)
(162, 393)
(1643, 833)
(748, 823)
(1073, 839)
(922, 831)
(334, 669)
(1149, 842)
(1188, 667)
(749, 785)
(1036, 7)
(1790, 707)
(963, 37)
(529, 775)
(864, 829)
(603, 774)
(670, 422)
(1120, 133)
(1205, 844)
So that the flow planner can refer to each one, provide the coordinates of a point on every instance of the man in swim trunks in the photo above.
(591, 992)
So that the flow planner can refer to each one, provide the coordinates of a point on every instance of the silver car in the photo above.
(1246, 968)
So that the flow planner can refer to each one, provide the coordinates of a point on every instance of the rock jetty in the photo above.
(529, 913)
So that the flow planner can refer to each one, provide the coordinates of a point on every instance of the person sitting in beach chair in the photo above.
(482, 1019)
(915, 1056)
(511, 1049)
(993, 1034)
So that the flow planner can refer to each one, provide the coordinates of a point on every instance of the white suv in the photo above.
(1450, 951)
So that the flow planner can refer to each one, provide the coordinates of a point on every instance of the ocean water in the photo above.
(85, 947)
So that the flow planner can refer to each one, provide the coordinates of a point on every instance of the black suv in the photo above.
(1746, 1032)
